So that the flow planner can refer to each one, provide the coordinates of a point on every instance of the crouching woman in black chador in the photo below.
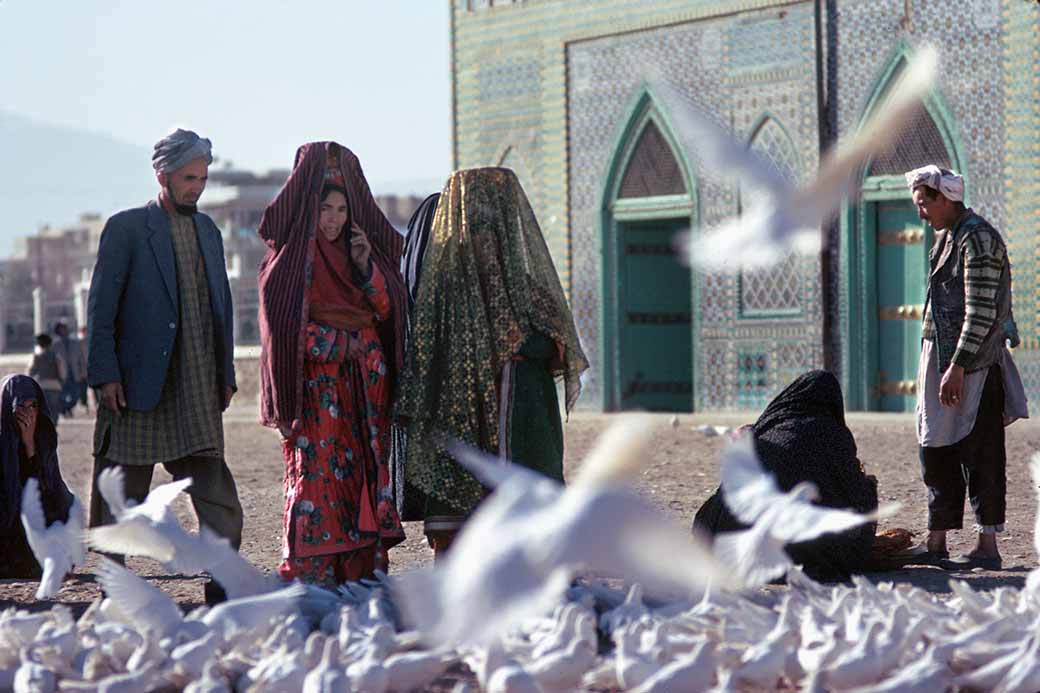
(802, 436)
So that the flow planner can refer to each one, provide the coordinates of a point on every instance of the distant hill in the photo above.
(50, 175)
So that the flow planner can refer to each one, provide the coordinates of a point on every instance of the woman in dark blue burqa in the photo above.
(28, 448)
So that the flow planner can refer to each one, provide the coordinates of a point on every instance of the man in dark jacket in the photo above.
(160, 343)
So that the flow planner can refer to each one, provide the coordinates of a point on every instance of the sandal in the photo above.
(971, 561)
(922, 555)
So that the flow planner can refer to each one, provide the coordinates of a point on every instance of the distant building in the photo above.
(563, 92)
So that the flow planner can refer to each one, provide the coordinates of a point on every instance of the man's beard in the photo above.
(186, 210)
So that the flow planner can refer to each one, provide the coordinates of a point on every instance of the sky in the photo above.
(258, 77)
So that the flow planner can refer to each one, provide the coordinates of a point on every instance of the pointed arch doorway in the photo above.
(648, 295)
(887, 260)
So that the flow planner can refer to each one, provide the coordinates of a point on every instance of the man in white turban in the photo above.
(968, 386)
(160, 344)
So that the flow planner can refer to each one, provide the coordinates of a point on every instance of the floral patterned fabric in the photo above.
(340, 516)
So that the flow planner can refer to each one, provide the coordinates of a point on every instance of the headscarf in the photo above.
(335, 299)
(178, 149)
(415, 246)
(488, 284)
(14, 390)
(288, 227)
(949, 183)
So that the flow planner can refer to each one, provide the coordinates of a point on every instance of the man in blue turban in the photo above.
(160, 343)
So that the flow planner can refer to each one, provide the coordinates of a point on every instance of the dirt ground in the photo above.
(680, 473)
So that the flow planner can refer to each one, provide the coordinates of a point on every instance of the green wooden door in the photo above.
(655, 340)
(902, 269)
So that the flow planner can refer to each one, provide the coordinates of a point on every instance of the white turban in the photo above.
(178, 149)
(949, 183)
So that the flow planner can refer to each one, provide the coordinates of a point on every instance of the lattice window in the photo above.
(652, 169)
(775, 289)
(919, 144)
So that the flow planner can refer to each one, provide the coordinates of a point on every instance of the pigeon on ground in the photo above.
(1033, 579)
(57, 548)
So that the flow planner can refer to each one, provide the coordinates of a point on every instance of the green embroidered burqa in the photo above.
(488, 286)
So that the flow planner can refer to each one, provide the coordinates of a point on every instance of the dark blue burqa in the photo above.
(16, 469)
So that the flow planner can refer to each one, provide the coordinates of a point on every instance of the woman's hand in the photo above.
(360, 249)
(25, 420)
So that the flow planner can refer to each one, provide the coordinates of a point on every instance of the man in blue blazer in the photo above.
(160, 344)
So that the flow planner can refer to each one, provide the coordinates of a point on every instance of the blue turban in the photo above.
(179, 148)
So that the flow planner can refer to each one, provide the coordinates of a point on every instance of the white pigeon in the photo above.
(328, 676)
(57, 548)
(710, 431)
(1033, 579)
(211, 680)
(247, 613)
(236, 575)
(34, 678)
(779, 217)
(142, 604)
(776, 518)
(688, 672)
(409, 670)
(517, 555)
(149, 529)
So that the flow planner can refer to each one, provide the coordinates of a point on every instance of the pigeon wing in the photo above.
(747, 488)
(135, 537)
(157, 503)
(615, 532)
(753, 555)
(842, 164)
(144, 604)
(711, 143)
(656, 553)
(797, 522)
(33, 519)
(493, 471)
(110, 485)
(72, 533)
(236, 575)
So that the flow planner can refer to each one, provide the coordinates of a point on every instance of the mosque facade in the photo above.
(561, 91)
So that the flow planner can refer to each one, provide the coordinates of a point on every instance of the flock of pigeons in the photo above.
(521, 602)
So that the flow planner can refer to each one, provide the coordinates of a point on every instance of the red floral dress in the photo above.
(340, 516)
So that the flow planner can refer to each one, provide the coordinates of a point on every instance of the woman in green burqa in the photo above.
(491, 333)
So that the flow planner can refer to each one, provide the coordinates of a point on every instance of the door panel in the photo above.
(654, 316)
(902, 266)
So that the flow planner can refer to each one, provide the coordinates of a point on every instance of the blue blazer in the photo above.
(132, 314)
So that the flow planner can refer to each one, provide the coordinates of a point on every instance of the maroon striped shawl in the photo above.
(288, 227)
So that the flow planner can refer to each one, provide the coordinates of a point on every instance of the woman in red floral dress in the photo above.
(340, 518)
